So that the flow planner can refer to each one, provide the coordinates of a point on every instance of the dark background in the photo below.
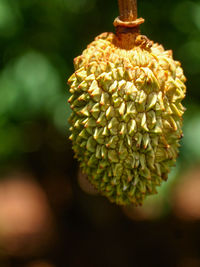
(49, 215)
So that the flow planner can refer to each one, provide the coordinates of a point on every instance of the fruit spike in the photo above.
(126, 111)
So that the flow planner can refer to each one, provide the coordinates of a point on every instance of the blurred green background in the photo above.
(74, 226)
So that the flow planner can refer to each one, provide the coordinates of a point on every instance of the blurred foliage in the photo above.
(39, 40)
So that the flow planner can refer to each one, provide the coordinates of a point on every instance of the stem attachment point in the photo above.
(128, 24)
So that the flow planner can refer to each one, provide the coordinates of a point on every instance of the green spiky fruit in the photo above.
(127, 117)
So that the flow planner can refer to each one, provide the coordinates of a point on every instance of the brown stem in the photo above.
(128, 10)
(127, 24)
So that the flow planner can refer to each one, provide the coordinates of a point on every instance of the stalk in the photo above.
(127, 10)
(128, 14)
(127, 24)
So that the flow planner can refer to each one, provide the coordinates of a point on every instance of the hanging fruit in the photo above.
(126, 110)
